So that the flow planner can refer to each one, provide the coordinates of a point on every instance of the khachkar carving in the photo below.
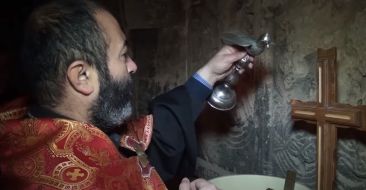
(328, 115)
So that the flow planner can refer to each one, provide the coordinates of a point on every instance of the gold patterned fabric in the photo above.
(63, 154)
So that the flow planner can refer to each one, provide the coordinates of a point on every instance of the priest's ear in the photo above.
(80, 76)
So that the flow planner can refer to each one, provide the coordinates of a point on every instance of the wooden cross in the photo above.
(328, 115)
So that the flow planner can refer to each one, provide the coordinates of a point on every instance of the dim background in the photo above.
(171, 39)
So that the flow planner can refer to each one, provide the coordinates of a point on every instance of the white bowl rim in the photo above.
(255, 175)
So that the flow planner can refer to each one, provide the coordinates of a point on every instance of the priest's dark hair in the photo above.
(57, 34)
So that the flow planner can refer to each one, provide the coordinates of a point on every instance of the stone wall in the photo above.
(170, 40)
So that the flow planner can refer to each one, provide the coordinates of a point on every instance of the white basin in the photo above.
(252, 182)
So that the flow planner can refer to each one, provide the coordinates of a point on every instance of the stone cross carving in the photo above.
(328, 115)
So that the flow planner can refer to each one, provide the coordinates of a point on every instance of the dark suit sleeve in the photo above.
(173, 149)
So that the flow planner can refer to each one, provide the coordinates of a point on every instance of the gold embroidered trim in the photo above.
(13, 114)
(148, 131)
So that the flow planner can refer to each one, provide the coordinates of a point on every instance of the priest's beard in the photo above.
(113, 106)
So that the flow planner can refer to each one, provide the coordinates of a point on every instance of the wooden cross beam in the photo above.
(328, 115)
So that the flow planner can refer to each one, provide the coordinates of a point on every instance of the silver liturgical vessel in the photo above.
(223, 96)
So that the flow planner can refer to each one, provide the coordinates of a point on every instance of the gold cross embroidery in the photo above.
(75, 174)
